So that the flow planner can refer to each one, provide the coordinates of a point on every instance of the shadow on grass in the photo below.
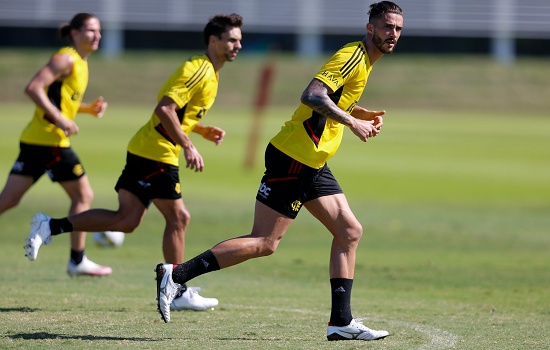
(18, 309)
(44, 335)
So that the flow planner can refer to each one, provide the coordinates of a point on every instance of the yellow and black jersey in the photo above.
(193, 87)
(311, 138)
(67, 96)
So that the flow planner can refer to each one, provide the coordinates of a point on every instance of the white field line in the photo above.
(439, 339)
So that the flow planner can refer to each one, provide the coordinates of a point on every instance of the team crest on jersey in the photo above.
(178, 188)
(296, 205)
(201, 113)
(77, 96)
(78, 170)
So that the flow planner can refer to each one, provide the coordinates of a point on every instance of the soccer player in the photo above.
(57, 90)
(151, 174)
(297, 175)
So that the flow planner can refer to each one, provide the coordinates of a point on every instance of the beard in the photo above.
(230, 56)
(379, 44)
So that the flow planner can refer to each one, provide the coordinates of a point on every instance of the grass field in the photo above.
(455, 255)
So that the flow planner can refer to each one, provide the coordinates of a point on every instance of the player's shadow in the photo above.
(50, 336)
(18, 309)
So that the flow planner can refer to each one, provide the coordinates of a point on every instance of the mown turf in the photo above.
(454, 254)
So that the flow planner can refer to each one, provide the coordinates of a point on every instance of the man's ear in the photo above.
(212, 39)
(370, 28)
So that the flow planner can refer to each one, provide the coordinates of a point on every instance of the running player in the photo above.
(57, 91)
(151, 174)
(297, 175)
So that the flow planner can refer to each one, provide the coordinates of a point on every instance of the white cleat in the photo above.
(356, 330)
(167, 290)
(87, 268)
(191, 300)
(40, 234)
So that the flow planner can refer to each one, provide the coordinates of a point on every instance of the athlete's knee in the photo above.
(127, 224)
(267, 246)
(84, 196)
(352, 234)
(89, 195)
(178, 221)
(183, 217)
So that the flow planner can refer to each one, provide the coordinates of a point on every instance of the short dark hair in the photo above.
(76, 23)
(378, 9)
(220, 24)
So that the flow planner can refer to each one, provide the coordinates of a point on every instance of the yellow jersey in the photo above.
(311, 138)
(67, 96)
(193, 87)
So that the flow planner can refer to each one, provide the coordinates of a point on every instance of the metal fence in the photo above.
(475, 18)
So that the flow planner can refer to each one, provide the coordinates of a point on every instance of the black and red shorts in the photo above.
(149, 179)
(60, 163)
(287, 184)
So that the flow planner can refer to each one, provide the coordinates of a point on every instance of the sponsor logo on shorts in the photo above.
(18, 167)
(296, 205)
(144, 184)
(178, 188)
(264, 190)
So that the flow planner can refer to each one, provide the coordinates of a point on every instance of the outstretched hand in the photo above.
(368, 124)
(214, 134)
(98, 107)
(365, 114)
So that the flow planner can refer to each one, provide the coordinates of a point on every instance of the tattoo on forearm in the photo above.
(316, 96)
(332, 113)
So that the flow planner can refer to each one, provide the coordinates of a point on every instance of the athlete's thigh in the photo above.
(130, 206)
(17, 186)
(333, 212)
(269, 223)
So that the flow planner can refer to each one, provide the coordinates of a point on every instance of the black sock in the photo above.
(201, 264)
(77, 256)
(340, 314)
(58, 226)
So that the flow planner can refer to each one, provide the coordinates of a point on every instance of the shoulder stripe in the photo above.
(356, 58)
(197, 76)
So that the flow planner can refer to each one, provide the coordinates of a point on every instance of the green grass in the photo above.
(453, 197)
(418, 82)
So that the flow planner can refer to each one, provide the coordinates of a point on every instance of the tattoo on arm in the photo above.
(316, 96)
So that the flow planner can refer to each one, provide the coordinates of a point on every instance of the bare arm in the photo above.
(96, 108)
(58, 68)
(316, 96)
(166, 111)
(211, 133)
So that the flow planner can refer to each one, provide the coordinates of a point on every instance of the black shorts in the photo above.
(287, 184)
(149, 179)
(60, 163)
